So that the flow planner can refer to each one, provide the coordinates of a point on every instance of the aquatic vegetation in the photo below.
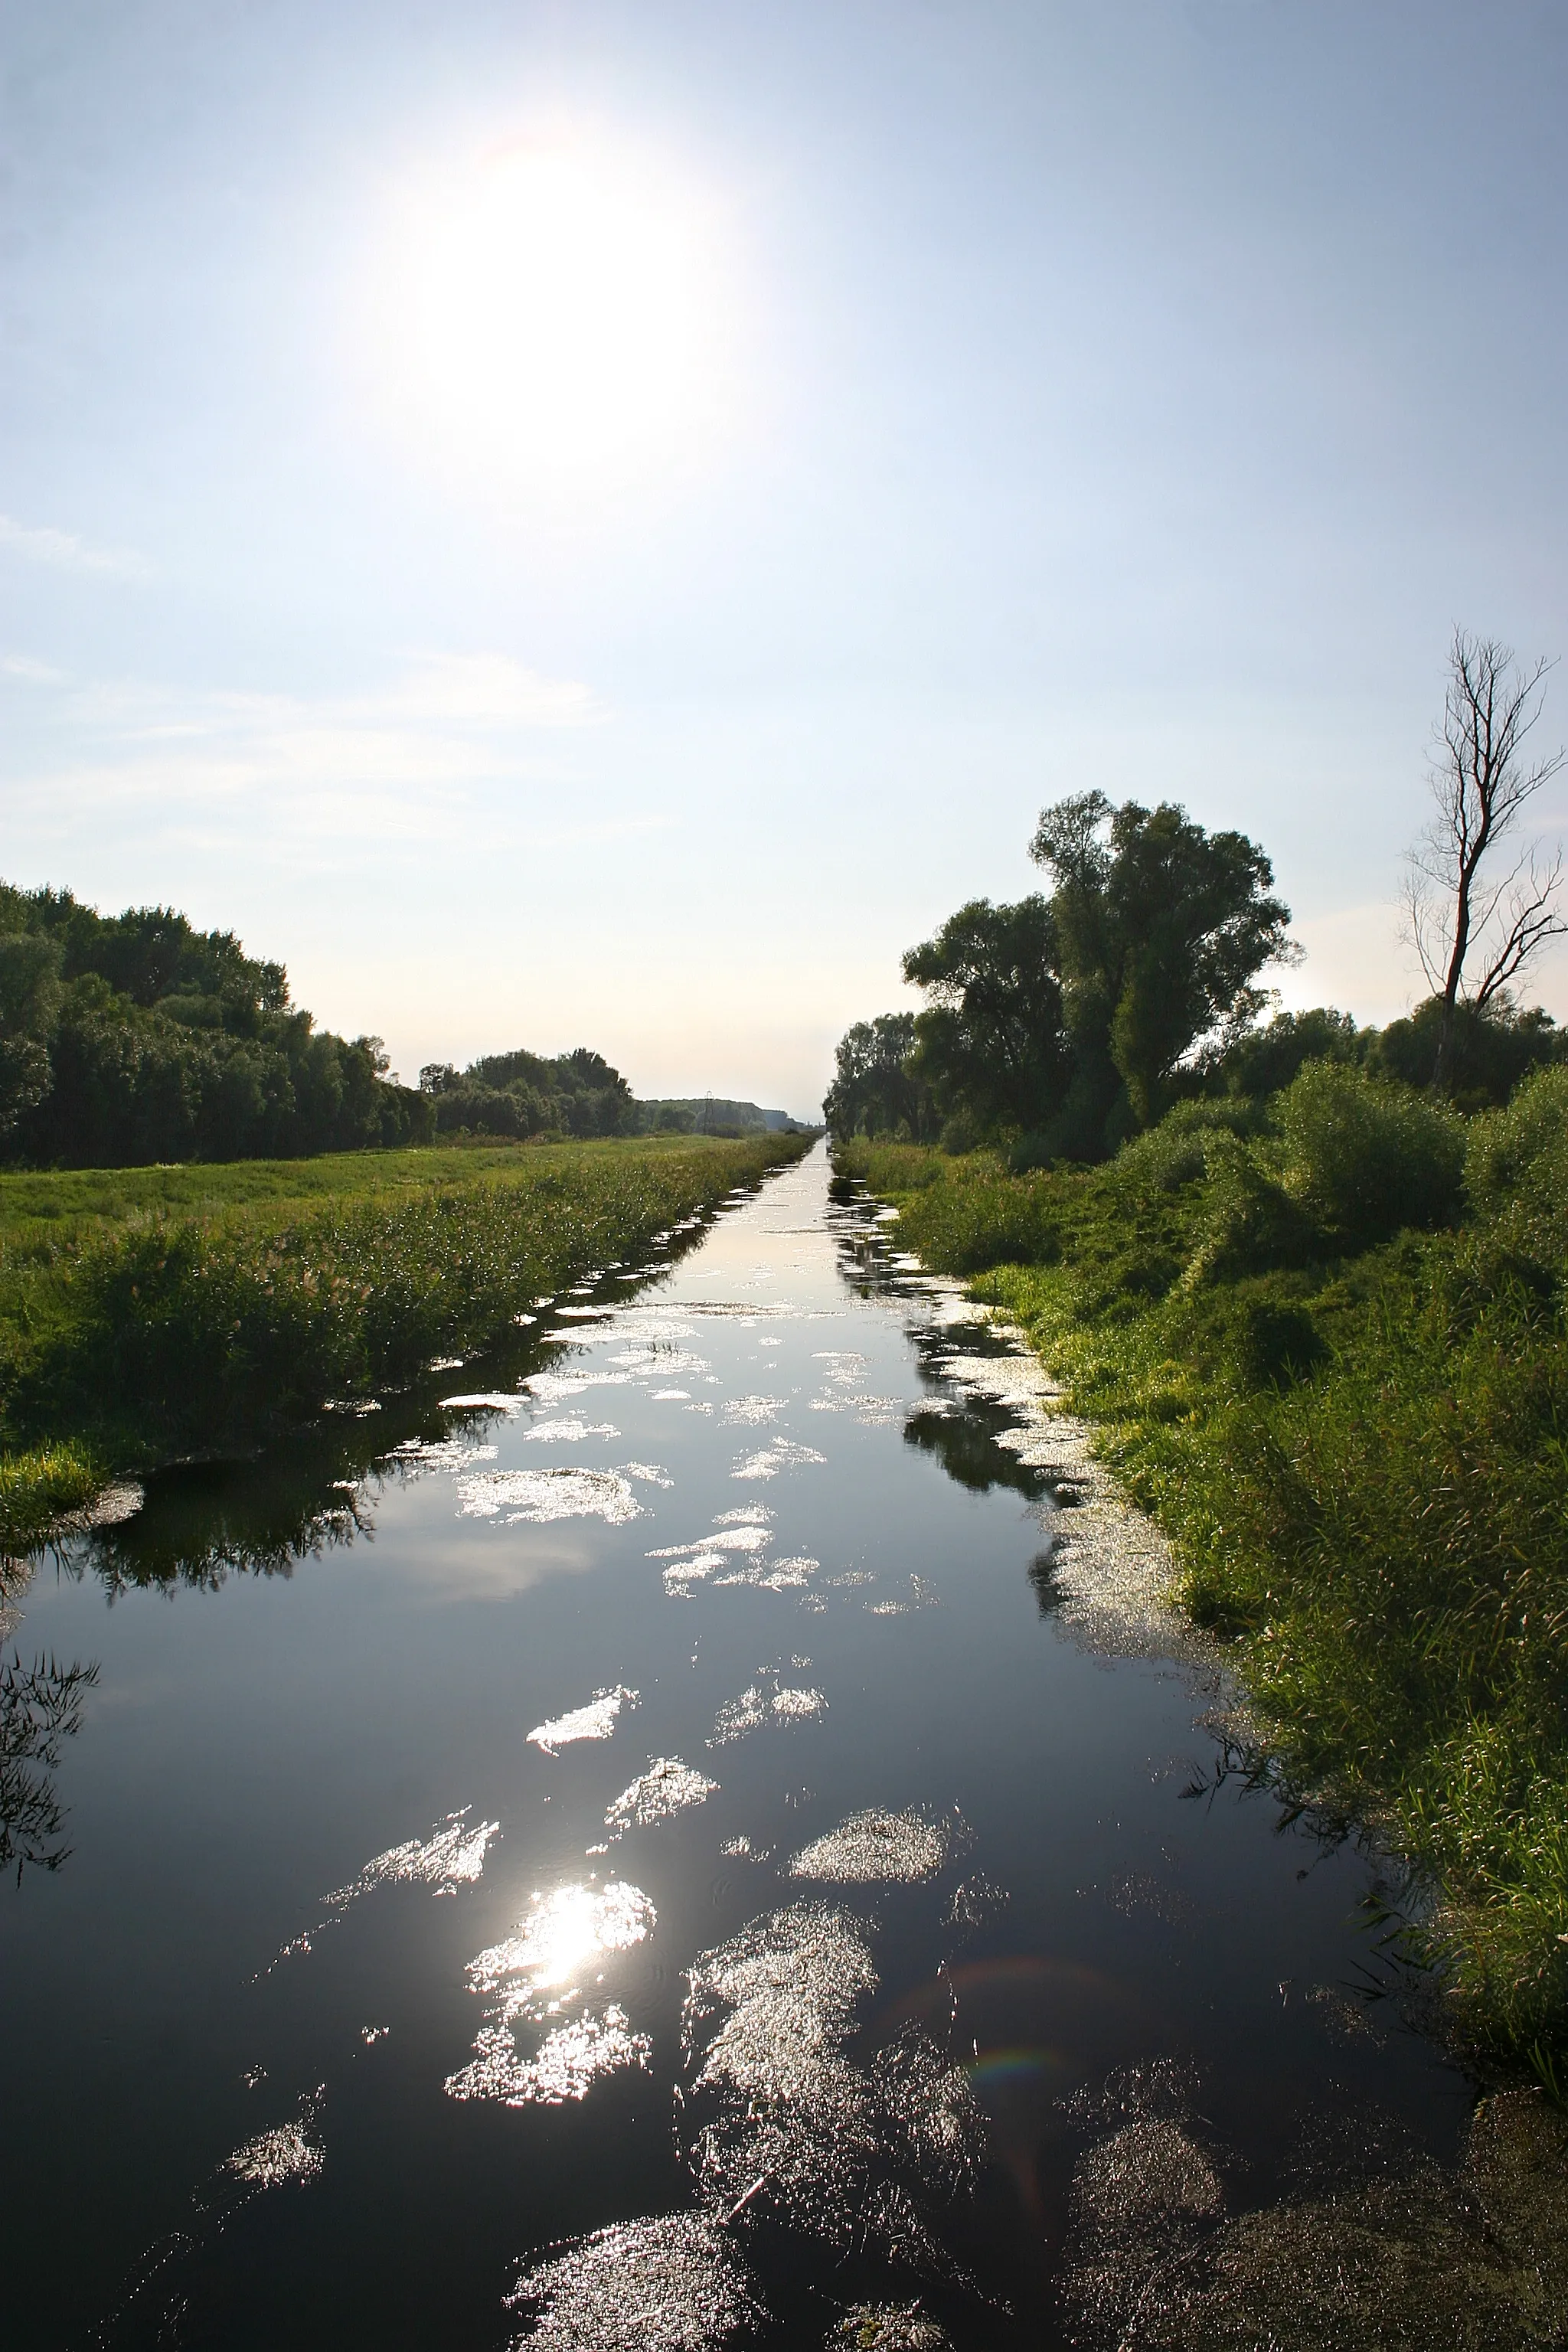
(596, 1720)
(777, 2108)
(877, 1848)
(767, 1700)
(565, 2066)
(783, 1454)
(1370, 2257)
(887, 2327)
(452, 1856)
(539, 1496)
(287, 2152)
(669, 1786)
(676, 2283)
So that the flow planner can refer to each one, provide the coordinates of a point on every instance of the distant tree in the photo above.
(1162, 929)
(992, 1044)
(1474, 934)
(875, 1091)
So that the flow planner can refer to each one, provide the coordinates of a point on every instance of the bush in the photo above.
(1366, 1160)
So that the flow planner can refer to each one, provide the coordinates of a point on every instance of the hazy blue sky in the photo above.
(602, 523)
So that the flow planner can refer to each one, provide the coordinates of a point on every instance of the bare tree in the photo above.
(1473, 926)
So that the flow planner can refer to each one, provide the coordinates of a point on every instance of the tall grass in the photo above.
(1331, 1358)
(134, 1335)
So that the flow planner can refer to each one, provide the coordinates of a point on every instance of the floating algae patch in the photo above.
(439, 1454)
(564, 2067)
(748, 1537)
(666, 1788)
(503, 1401)
(745, 1515)
(752, 1412)
(767, 1700)
(565, 1933)
(887, 2327)
(541, 1496)
(553, 1388)
(791, 1575)
(596, 1720)
(567, 1429)
(672, 2283)
(681, 1574)
(783, 1454)
(880, 1848)
(452, 1856)
(775, 2107)
(1473, 2257)
(287, 2152)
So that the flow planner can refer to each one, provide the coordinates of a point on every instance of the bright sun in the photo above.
(552, 315)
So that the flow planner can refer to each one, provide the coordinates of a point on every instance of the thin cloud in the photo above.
(31, 672)
(456, 740)
(64, 552)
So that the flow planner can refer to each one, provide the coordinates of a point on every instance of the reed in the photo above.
(143, 1321)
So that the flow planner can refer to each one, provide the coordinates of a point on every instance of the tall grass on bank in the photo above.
(132, 1334)
(1326, 1345)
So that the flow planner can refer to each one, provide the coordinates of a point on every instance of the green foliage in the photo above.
(1360, 1446)
(876, 1088)
(126, 1338)
(1061, 1027)
(992, 1044)
(1163, 928)
(135, 1039)
(521, 1093)
(1365, 1160)
(1493, 1049)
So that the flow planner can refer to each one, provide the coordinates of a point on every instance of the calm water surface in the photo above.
(661, 1791)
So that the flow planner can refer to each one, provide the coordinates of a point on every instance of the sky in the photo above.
(602, 523)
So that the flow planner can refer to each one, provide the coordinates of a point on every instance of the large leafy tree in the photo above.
(875, 1090)
(1162, 929)
(992, 1041)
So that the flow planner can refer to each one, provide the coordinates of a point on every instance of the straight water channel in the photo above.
(658, 1795)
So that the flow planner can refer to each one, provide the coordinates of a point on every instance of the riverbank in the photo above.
(149, 1314)
(1357, 1443)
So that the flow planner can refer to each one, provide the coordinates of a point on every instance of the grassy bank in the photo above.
(1324, 1342)
(150, 1313)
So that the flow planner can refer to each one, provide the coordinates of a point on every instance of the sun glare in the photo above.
(552, 314)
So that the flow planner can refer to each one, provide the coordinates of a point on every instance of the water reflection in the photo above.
(40, 1707)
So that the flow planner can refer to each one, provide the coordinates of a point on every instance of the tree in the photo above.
(875, 1092)
(1473, 934)
(993, 1041)
(1162, 929)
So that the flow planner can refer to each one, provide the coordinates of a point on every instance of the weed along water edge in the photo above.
(696, 1826)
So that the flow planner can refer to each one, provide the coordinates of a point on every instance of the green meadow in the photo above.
(150, 1314)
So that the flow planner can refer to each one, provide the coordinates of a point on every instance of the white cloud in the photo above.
(65, 552)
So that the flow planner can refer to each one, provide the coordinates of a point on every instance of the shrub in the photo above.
(1365, 1160)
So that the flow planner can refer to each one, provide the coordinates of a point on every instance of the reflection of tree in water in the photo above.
(40, 1706)
(964, 1442)
(203, 1520)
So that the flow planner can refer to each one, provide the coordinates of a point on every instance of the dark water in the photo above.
(232, 2107)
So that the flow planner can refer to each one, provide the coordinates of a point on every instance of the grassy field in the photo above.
(147, 1314)
(1325, 1345)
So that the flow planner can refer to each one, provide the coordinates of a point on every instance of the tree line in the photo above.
(1064, 1024)
(135, 1039)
